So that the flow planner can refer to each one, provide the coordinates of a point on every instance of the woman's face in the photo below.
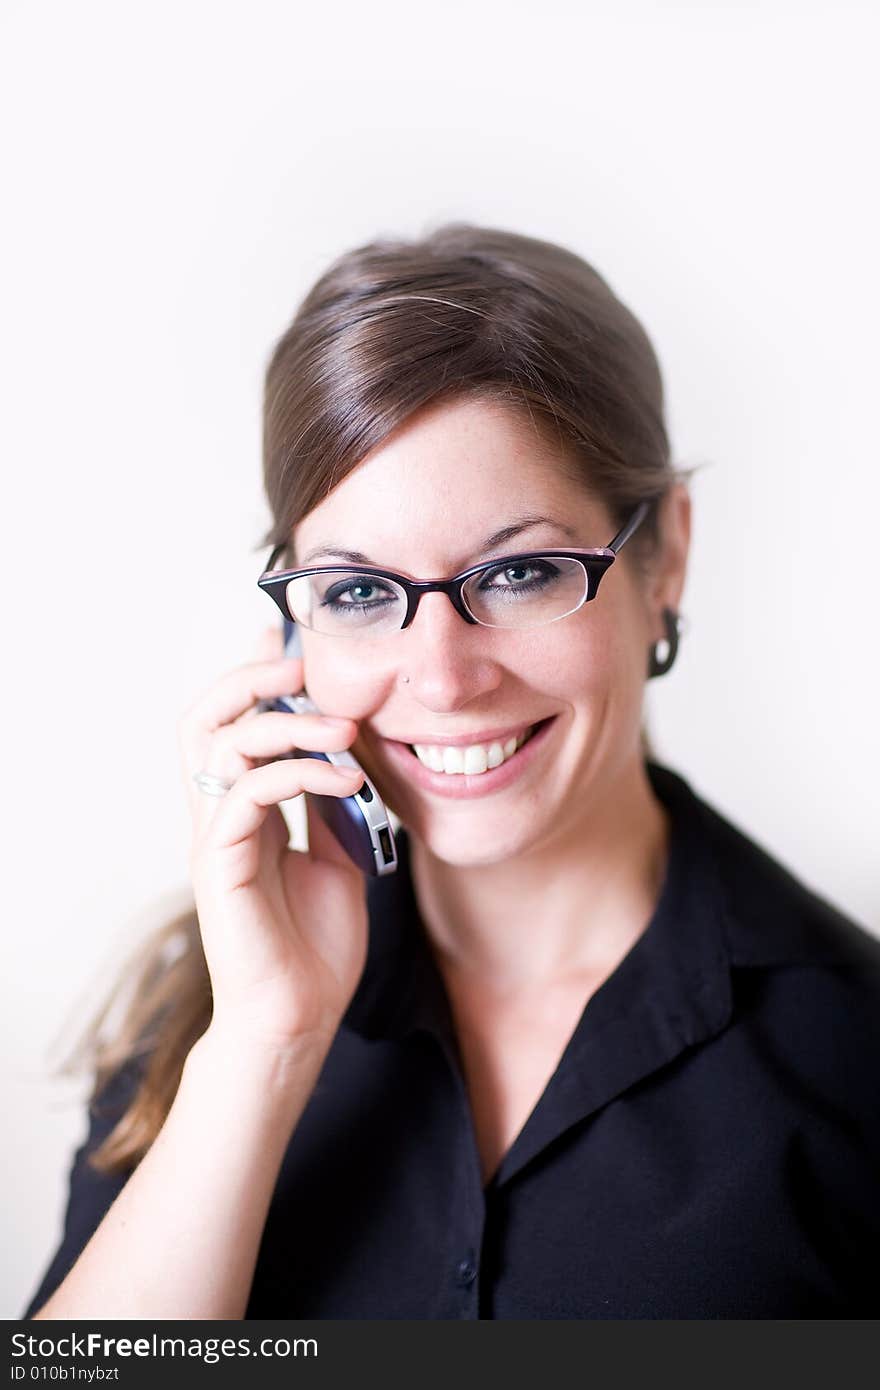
(423, 504)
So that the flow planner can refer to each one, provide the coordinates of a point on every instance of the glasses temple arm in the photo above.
(270, 563)
(635, 521)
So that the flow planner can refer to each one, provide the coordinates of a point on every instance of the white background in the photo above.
(174, 178)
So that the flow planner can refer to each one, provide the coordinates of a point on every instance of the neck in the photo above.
(573, 903)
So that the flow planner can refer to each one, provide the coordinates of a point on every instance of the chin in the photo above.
(471, 840)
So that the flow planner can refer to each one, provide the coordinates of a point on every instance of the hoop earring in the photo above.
(657, 665)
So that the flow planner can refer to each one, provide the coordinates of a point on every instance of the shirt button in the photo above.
(465, 1273)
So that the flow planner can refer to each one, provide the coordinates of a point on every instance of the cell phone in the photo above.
(360, 822)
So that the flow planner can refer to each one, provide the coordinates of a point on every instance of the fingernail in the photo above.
(332, 719)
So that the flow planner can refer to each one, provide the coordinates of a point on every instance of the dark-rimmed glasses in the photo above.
(528, 589)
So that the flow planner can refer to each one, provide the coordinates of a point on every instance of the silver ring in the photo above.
(212, 786)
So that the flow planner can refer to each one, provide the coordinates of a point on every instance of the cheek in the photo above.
(584, 666)
(598, 670)
(342, 682)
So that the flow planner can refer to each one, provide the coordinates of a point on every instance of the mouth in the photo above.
(475, 770)
(472, 759)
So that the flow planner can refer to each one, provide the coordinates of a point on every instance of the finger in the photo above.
(236, 691)
(270, 644)
(242, 810)
(272, 733)
(268, 647)
(234, 749)
(230, 699)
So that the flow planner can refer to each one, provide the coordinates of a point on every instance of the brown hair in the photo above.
(389, 327)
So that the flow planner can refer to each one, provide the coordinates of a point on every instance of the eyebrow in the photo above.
(506, 533)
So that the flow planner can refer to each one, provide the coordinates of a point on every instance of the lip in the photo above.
(462, 785)
(497, 735)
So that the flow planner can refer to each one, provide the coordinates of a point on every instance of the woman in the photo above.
(590, 1052)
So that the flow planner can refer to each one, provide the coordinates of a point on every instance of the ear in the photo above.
(669, 571)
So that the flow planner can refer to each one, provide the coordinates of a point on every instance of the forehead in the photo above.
(447, 478)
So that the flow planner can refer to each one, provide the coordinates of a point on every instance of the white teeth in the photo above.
(453, 759)
(496, 755)
(476, 758)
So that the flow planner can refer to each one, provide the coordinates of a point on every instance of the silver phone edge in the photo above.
(376, 819)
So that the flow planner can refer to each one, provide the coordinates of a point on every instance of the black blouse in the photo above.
(707, 1147)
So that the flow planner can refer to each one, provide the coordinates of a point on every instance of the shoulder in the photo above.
(774, 918)
(771, 916)
(804, 975)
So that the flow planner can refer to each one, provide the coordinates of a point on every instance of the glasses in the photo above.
(529, 589)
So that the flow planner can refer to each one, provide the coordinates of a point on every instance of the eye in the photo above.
(520, 574)
(358, 591)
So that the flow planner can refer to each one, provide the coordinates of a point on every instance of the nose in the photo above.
(449, 661)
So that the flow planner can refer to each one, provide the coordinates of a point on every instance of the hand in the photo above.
(284, 931)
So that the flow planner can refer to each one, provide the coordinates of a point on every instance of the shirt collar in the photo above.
(674, 979)
(724, 903)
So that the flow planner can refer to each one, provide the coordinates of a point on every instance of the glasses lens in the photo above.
(346, 602)
(527, 593)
